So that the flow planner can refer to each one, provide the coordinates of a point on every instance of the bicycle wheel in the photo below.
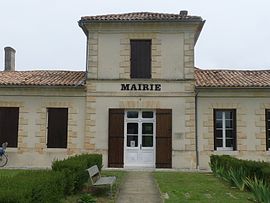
(3, 160)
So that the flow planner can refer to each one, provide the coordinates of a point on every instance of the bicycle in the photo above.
(3, 156)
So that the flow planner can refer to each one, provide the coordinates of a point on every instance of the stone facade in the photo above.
(250, 122)
(32, 150)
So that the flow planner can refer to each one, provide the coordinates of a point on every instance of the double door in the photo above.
(139, 139)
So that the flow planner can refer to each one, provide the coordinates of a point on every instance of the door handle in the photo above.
(140, 146)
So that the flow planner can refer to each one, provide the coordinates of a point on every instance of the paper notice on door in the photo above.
(132, 143)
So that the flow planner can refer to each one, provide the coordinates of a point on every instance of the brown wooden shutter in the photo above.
(163, 138)
(9, 120)
(140, 59)
(57, 127)
(116, 138)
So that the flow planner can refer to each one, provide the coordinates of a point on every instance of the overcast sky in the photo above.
(46, 35)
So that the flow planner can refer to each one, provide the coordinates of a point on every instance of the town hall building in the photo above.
(141, 103)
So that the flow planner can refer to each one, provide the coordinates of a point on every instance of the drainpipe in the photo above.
(196, 129)
(87, 52)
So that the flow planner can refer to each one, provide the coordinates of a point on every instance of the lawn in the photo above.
(198, 187)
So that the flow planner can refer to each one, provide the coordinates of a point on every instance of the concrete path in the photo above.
(139, 186)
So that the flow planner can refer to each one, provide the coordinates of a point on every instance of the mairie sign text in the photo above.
(140, 87)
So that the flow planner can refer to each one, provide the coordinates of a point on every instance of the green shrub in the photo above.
(87, 198)
(259, 169)
(74, 169)
(255, 175)
(260, 189)
(32, 186)
(16, 194)
(237, 178)
(47, 186)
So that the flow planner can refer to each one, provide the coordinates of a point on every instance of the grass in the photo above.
(10, 172)
(179, 186)
(101, 193)
(198, 187)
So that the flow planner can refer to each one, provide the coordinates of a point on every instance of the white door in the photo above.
(139, 144)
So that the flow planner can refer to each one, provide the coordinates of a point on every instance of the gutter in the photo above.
(86, 21)
(196, 130)
(230, 88)
(82, 25)
(86, 57)
(44, 86)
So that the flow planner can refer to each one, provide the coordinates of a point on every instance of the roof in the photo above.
(141, 16)
(203, 78)
(232, 78)
(43, 78)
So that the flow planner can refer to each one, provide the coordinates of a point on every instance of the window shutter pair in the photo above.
(163, 138)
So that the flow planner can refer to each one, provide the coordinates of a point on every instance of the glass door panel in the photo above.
(132, 134)
(147, 134)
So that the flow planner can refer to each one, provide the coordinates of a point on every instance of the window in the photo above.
(140, 59)
(225, 129)
(9, 120)
(57, 127)
(267, 119)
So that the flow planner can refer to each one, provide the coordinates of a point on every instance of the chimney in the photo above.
(183, 13)
(9, 59)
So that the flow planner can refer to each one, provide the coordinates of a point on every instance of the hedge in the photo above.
(32, 186)
(244, 174)
(260, 169)
(46, 186)
(74, 169)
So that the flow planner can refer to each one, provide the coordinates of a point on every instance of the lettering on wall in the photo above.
(140, 87)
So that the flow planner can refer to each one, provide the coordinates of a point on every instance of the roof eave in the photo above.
(224, 87)
(41, 86)
(198, 31)
(86, 21)
(81, 23)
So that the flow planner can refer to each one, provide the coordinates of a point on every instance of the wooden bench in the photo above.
(97, 180)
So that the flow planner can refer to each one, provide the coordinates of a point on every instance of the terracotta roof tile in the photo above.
(42, 78)
(204, 78)
(140, 16)
(232, 78)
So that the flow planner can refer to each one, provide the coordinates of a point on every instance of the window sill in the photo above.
(226, 152)
(13, 149)
(224, 149)
(55, 150)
